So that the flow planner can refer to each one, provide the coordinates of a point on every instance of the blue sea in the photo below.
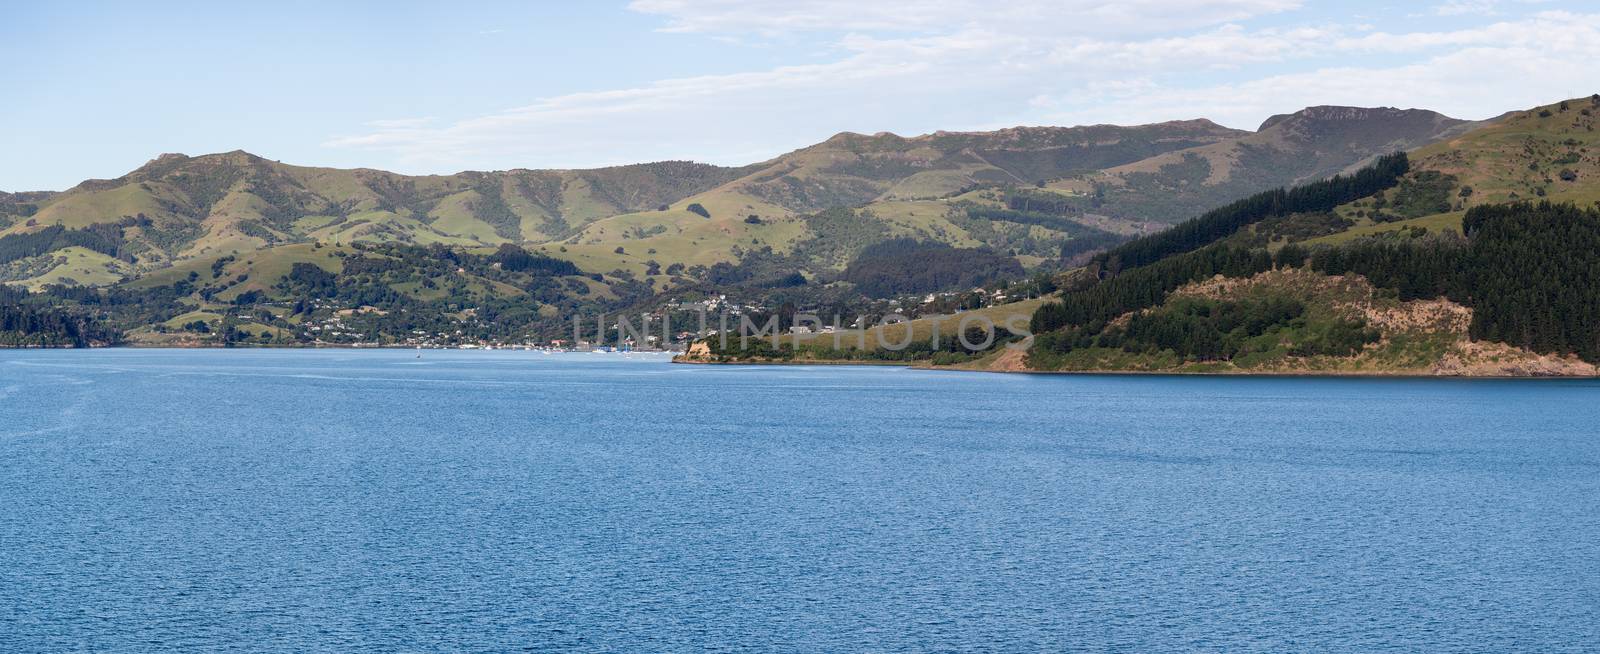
(373, 501)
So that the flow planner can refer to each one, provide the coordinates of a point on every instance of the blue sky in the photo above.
(95, 90)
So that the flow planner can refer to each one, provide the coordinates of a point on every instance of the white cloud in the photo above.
(1473, 83)
(1100, 17)
(1555, 29)
(951, 66)
(1228, 46)
(1480, 7)
(401, 123)
(1464, 7)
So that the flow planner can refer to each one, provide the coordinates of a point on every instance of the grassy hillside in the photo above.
(1287, 150)
(309, 293)
(950, 187)
(1445, 269)
(236, 202)
(917, 186)
(855, 169)
(1423, 269)
(70, 266)
(908, 184)
(1550, 152)
(268, 248)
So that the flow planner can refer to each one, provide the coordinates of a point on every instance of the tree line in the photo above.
(1222, 222)
(105, 238)
(27, 321)
(1530, 273)
(1146, 287)
(902, 265)
(1534, 277)
(1200, 329)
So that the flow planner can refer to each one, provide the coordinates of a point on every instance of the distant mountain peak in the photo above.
(1339, 113)
(166, 157)
(166, 161)
(846, 138)
(1192, 124)
(1003, 133)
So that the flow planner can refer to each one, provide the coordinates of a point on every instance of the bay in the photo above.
(340, 500)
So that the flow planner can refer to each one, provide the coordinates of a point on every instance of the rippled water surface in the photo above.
(490, 501)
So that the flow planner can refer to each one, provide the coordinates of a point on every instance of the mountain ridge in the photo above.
(1433, 262)
(933, 217)
(1288, 149)
(943, 186)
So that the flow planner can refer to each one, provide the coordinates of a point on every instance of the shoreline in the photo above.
(679, 358)
(323, 346)
(1310, 374)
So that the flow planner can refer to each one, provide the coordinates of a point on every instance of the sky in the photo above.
(94, 90)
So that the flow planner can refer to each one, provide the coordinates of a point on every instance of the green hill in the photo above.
(1550, 152)
(240, 237)
(960, 188)
(1444, 269)
(1435, 263)
(1286, 150)
(1107, 180)
(235, 202)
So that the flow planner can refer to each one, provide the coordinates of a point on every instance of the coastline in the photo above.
(323, 346)
(681, 358)
(1324, 374)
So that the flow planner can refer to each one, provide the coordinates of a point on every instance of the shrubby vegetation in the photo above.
(435, 289)
(1146, 287)
(516, 259)
(1086, 243)
(1053, 221)
(1293, 228)
(421, 288)
(901, 266)
(28, 320)
(1531, 274)
(1425, 193)
(1202, 330)
(1046, 202)
(839, 235)
(104, 238)
(1006, 227)
(309, 280)
(491, 208)
(1220, 223)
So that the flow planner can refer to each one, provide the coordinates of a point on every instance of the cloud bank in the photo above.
(955, 64)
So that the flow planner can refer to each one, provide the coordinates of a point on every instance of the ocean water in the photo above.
(353, 501)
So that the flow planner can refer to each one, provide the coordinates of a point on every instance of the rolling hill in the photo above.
(237, 236)
(222, 203)
(1550, 152)
(1481, 259)
(1287, 150)
(943, 187)
(1476, 255)
(1106, 179)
